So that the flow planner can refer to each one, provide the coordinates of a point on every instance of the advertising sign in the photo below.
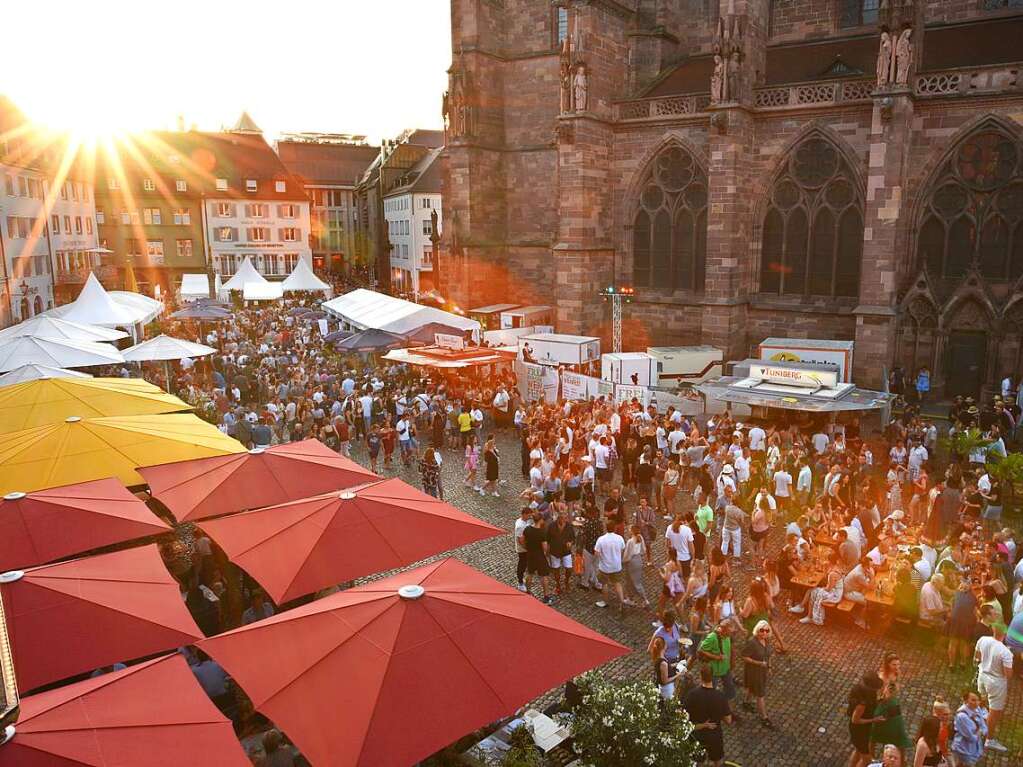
(628, 393)
(808, 379)
(449, 341)
(810, 350)
(573, 386)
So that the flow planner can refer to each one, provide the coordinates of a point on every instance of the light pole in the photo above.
(8, 684)
(617, 297)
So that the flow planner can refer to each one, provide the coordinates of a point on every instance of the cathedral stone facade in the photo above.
(841, 169)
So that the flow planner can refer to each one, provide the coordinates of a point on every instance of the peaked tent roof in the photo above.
(365, 308)
(303, 278)
(94, 306)
(149, 307)
(246, 273)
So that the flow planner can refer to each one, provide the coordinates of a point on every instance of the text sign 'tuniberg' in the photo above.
(807, 379)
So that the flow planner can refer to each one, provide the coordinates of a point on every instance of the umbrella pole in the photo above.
(167, 375)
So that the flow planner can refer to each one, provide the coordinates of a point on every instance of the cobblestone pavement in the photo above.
(808, 686)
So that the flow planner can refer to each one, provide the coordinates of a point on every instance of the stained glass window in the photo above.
(669, 233)
(813, 229)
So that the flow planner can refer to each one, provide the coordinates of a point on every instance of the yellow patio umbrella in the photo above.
(51, 400)
(78, 450)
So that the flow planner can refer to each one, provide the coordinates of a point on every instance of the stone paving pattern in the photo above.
(807, 688)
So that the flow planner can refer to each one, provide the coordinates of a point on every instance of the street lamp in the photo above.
(8, 684)
(617, 297)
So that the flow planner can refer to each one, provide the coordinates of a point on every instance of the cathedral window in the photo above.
(857, 13)
(973, 213)
(812, 239)
(669, 232)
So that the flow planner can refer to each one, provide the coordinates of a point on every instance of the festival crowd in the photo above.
(758, 522)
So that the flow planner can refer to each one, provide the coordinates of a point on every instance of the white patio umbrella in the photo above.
(55, 353)
(46, 326)
(164, 349)
(33, 372)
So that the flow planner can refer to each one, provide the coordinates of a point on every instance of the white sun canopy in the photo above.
(302, 278)
(166, 348)
(364, 308)
(45, 326)
(94, 306)
(59, 354)
(246, 273)
(33, 372)
(263, 291)
(149, 307)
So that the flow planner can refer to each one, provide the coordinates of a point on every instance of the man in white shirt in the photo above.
(662, 441)
(757, 439)
(366, 401)
(783, 487)
(525, 520)
(501, 403)
(602, 462)
(609, 550)
(804, 483)
(820, 442)
(742, 467)
(404, 429)
(917, 458)
(995, 662)
(680, 537)
(676, 441)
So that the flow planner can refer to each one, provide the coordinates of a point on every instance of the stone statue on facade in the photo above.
(470, 112)
(579, 88)
(726, 79)
(903, 57)
(717, 80)
(566, 75)
(456, 104)
(446, 111)
(884, 60)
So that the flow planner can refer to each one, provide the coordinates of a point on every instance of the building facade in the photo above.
(74, 241)
(843, 169)
(172, 202)
(329, 167)
(411, 210)
(395, 159)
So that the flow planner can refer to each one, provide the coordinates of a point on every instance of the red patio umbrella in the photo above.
(303, 546)
(387, 673)
(59, 522)
(208, 487)
(76, 616)
(151, 715)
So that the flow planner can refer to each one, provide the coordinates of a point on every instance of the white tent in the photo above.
(46, 326)
(59, 354)
(94, 306)
(302, 278)
(263, 291)
(246, 273)
(166, 348)
(364, 308)
(149, 307)
(33, 372)
(197, 286)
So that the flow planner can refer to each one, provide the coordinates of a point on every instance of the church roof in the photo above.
(246, 124)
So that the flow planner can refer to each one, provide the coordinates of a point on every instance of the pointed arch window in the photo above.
(813, 230)
(669, 232)
(973, 214)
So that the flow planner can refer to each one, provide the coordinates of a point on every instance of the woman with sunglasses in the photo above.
(757, 656)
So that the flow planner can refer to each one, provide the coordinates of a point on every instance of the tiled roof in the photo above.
(326, 163)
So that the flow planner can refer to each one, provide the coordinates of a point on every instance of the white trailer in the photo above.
(526, 316)
(558, 349)
(629, 368)
(686, 364)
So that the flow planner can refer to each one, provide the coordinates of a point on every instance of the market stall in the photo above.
(361, 309)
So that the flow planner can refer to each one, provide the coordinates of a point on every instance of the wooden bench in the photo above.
(845, 606)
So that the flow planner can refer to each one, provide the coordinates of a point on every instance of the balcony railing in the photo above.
(666, 106)
(969, 81)
(807, 94)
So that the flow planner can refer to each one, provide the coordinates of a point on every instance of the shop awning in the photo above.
(723, 389)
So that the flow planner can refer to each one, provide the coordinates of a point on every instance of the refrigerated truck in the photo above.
(560, 349)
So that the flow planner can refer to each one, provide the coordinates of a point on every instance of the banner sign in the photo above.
(449, 341)
(808, 379)
(550, 385)
(573, 386)
(628, 393)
